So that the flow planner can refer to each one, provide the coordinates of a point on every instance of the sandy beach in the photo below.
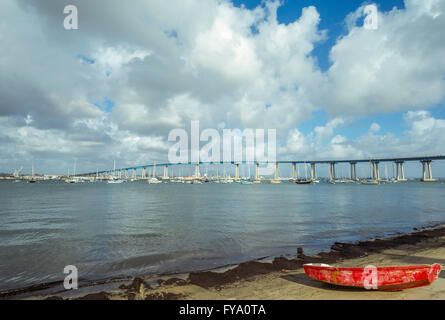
(281, 279)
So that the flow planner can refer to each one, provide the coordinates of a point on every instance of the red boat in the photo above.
(376, 278)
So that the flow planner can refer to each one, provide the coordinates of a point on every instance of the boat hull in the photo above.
(303, 181)
(384, 278)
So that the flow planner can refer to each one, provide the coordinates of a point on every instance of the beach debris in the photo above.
(95, 296)
(300, 252)
(136, 290)
(282, 263)
(163, 296)
(172, 281)
(207, 279)
(341, 251)
(135, 285)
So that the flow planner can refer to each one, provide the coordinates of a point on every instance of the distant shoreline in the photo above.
(125, 288)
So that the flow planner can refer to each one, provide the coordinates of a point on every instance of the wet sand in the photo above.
(281, 279)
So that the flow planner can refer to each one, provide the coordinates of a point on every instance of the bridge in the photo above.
(399, 162)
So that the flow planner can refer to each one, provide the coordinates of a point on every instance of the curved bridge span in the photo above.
(374, 162)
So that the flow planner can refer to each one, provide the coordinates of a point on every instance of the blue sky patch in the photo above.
(332, 15)
(106, 105)
(85, 59)
(171, 34)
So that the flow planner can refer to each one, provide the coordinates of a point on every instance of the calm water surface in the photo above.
(112, 230)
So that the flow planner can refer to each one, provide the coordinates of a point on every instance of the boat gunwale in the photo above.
(332, 268)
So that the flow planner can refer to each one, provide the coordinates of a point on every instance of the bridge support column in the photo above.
(197, 172)
(276, 171)
(257, 171)
(332, 176)
(400, 171)
(375, 170)
(426, 165)
(294, 171)
(144, 173)
(237, 171)
(134, 174)
(165, 176)
(353, 171)
(430, 173)
(402, 168)
(313, 172)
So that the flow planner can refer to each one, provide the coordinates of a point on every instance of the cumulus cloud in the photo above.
(324, 132)
(424, 136)
(399, 66)
(426, 131)
(375, 127)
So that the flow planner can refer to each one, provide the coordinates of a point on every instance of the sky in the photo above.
(114, 88)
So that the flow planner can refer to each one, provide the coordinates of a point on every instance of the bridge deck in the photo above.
(406, 159)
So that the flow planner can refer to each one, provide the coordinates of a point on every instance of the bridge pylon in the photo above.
(313, 172)
(375, 170)
(353, 171)
(332, 176)
(257, 171)
(400, 171)
(165, 175)
(426, 167)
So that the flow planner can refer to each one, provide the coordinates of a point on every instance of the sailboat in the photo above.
(248, 179)
(314, 176)
(342, 178)
(32, 179)
(386, 180)
(393, 179)
(114, 179)
(154, 180)
(370, 181)
(73, 179)
(301, 181)
(17, 175)
(96, 178)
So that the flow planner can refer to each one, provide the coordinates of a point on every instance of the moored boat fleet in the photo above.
(120, 176)
(118, 179)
